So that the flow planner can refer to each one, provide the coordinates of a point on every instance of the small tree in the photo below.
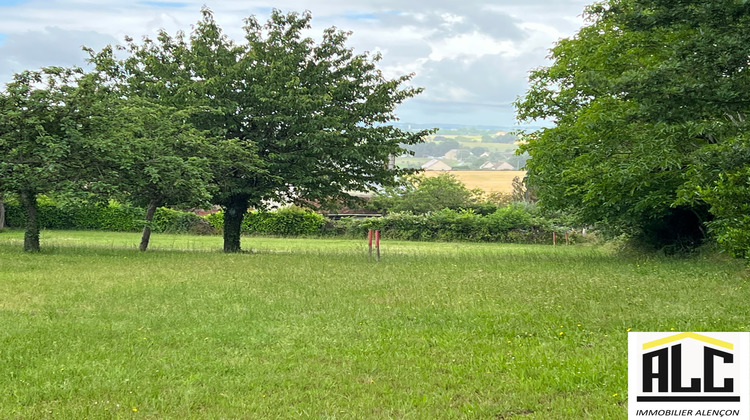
(162, 161)
(47, 122)
(423, 194)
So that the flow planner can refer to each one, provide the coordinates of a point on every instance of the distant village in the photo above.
(466, 149)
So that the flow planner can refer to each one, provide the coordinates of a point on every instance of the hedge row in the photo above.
(290, 221)
(112, 216)
(516, 223)
(513, 224)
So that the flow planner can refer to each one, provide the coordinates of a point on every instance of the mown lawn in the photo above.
(91, 328)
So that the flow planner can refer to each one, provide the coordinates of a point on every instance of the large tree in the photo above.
(298, 120)
(49, 122)
(637, 98)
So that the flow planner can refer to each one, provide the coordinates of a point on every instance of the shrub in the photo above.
(112, 216)
(79, 215)
(516, 223)
(422, 194)
(288, 221)
(174, 221)
(216, 220)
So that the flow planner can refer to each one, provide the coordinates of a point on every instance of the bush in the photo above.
(112, 216)
(174, 221)
(80, 215)
(422, 194)
(216, 220)
(289, 221)
(517, 223)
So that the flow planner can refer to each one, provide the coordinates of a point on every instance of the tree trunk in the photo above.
(2, 214)
(150, 210)
(31, 235)
(233, 215)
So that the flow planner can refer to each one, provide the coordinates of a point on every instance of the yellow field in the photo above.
(489, 181)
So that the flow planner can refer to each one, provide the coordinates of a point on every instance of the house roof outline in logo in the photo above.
(695, 336)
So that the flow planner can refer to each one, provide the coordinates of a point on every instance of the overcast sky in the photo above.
(471, 56)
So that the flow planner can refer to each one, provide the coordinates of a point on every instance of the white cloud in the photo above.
(472, 56)
(470, 45)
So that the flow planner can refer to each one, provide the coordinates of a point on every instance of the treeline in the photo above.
(436, 208)
(648, 110)
(515, 223)
(200, 120)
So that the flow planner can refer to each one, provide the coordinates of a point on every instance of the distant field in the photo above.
(475, 140)
(492, 147)
(489, 181)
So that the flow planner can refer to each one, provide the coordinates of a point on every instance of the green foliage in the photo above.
(422, 194)
(48, 122)
(111, 216)
(287, 221)
(293, 119)
(639, 98)
(516, 223)
(216, 220)
(723, 182)
(49, 126)
(167, 220)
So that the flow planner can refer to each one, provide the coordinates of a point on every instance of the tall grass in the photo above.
(91, 328)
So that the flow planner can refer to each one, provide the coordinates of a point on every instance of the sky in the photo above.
(472, 57)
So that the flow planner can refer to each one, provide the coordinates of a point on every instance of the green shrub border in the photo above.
(516, 223)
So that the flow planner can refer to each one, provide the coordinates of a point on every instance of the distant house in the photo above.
(497, 166)
(487, 165)
(485, 154)
(451, 154)
(436, 165)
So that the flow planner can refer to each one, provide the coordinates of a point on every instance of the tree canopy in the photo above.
(49, 143)
(290, 120)
(161, 160)
(648, 100)
(422, 194)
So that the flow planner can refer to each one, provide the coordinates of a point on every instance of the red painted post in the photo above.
(554, 238)
(377, 243)
(369, 240)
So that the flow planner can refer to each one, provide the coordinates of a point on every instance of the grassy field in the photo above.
(91, 328)
(492, 147)
(489, 181)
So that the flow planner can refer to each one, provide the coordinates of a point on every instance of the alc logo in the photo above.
(656, 369)
(688, 374)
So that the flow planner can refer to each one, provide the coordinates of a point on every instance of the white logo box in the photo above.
(691, 375)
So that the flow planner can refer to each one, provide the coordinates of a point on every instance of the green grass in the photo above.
(91, 328)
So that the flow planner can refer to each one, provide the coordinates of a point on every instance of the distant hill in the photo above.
(462, 127)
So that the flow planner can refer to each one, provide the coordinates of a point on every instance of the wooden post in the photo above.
(369, 241)
(377, 243)
(567, 238)
(554, 238)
